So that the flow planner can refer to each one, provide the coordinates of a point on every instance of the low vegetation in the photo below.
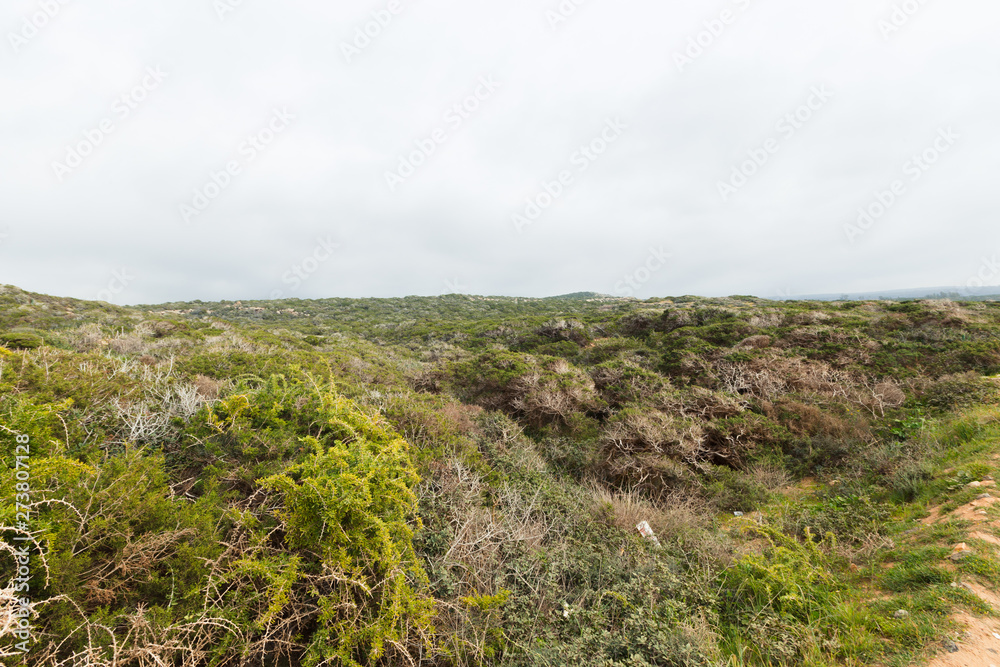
(458, 481)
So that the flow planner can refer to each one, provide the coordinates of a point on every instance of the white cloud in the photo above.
(325, 175)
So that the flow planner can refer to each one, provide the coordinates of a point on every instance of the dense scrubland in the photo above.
(458, 480)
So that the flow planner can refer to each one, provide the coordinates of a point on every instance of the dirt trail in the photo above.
(979, 645)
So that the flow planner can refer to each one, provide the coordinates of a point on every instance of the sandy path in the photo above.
(979, 645)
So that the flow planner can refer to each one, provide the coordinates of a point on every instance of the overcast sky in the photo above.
(227, 149)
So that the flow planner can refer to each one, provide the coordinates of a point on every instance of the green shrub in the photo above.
(734, 491)
(116, 542)
(566, 349)
(621, 382)
(771, 602)
(613, 613)
(21, 340)
(959, 390)
(851, 519)
(734, 441)
(572, 455)
(313, 564)
(351, 507)
(687, 355)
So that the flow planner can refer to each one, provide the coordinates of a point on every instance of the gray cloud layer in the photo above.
(824, 105)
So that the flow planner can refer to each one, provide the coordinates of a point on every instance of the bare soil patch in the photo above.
(979, 643)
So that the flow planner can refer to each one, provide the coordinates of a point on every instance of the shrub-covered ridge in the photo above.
(458, 481)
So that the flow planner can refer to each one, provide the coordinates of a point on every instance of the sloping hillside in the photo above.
(458, 481)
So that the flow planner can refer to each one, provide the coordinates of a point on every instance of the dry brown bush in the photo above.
(803, 419)
(675, 514)
(889, 394)
(130, 344)
(480, 533)
(428, 421)
(507, 437)
(430, 381)
(86, 338)
(462, 416)
(771, 477)
(161, 328)
(541, 390)
(767, 319)
(226, 342)
(570, 330)
(872, 394)
(609, 376)
(545, 397)
(752, 379)
(655, 450)
(439, 351)
(207, 387)
(700, 403)
(654, 475)
(758, 342)
(148, 645)
(634, 431)
(810, 336)
(111, 577)
(675, 319)
(731, 442)
(694, 366)
(772, 374)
